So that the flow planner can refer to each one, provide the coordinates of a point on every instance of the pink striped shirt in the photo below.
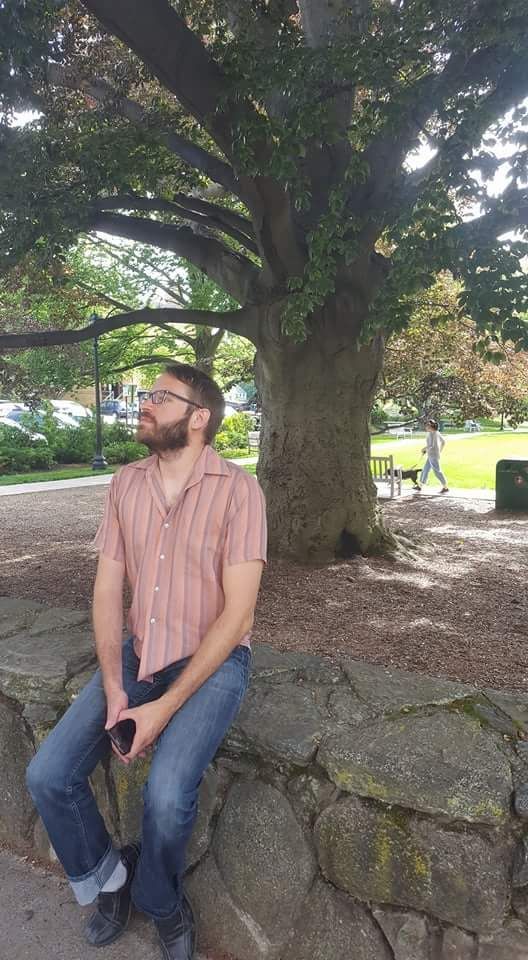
(174, 556)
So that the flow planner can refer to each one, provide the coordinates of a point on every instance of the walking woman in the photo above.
(433, 448)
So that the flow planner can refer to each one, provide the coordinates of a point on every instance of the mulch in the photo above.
(454, 607)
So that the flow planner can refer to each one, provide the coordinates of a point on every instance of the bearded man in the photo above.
(188, 530)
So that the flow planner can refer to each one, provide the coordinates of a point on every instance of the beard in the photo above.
(161, 439)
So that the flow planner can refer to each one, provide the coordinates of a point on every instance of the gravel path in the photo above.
(457, 608)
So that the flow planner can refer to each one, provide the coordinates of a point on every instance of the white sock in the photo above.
(117, 879)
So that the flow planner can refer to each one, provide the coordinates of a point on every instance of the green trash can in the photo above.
(511, 485)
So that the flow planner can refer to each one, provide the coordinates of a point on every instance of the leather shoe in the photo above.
(110, 920)
(178, 934)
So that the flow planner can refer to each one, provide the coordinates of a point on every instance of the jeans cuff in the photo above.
(88, 887)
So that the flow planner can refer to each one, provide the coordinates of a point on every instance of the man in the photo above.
(189, 530)
(434, 445)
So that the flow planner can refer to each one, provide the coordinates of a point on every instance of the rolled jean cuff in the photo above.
(88, 887)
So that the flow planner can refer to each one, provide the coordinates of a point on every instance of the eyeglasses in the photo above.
(160, 396)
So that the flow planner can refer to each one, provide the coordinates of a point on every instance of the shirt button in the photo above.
(156, 589)
(153, 619)
(166, 524)
(162, 556)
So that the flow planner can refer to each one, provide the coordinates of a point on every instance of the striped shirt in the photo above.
(174, 555)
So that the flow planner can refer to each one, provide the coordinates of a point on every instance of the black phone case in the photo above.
(122, 735)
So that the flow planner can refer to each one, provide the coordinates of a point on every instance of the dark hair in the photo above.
(433, 424)
(203, 391)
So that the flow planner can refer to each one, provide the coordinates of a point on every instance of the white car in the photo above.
(61, 419)
(71, 409)
(13, 425)
(6, 406)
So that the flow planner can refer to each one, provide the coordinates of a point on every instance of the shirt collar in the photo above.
(208, 462)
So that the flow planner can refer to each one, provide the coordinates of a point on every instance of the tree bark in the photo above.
(315, 443)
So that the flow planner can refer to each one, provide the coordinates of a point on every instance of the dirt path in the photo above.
(458, 610)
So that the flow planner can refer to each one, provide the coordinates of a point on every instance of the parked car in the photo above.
(71, 408)
(115, 408)
(38, 417)
(13, 425)
(7, 405)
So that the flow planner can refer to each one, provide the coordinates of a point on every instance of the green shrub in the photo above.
(11, 437)
(117, 432)
(234, 432)
(23, 459)
(125, 452)
(75, 444)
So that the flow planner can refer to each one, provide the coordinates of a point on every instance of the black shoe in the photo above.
(110, 920)
(178, 935)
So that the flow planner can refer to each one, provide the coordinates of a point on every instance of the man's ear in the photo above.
(200, 418)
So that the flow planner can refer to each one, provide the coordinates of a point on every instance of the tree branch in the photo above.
(175, 55)
(508, 212)
(139, 362)
(242, 322)
(230, 270)
(464, 70)
(177, 209)
(101, 91)
(511, 87)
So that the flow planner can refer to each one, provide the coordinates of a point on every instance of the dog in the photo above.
(411, 474)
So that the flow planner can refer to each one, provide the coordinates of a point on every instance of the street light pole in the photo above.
(98, 462)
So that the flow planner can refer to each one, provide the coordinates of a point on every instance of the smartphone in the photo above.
(122, 735)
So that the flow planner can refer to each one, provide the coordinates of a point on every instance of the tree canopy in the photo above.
(319, 160)
(439, 367)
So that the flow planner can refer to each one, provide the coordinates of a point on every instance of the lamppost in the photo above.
(98, 462)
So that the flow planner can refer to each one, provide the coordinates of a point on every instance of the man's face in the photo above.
(165, 426)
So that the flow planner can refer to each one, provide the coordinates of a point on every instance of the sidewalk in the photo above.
(455, 493)
(40, 920)
(45, 486)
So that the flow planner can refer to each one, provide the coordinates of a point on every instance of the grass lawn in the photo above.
(70, 473)
(467, 462)
(40, 476)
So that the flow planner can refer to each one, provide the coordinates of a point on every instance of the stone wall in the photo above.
(353, 811)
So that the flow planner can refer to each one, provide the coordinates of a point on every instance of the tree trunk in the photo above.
(315, 443)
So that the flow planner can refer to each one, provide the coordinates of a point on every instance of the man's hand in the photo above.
(150, 720)
(116, 702)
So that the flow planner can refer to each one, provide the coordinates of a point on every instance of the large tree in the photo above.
(267, 141)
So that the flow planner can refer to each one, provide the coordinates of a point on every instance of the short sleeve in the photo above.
(246, 537)
(109, 539)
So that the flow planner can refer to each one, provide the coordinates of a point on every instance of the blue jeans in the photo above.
(57, 779)
(433, 464)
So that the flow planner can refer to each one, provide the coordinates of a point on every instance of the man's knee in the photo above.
(169, 807)
(44, 779)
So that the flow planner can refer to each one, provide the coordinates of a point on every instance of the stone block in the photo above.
(17, 615)
(510, 943)
(37, 668)
(458, 945)
(331, 926)
(391, 689)
(408, 933)
(224, 929)
(387, 855)
(262, 854)
(279, 721)
(442, 764)
(17, 814)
